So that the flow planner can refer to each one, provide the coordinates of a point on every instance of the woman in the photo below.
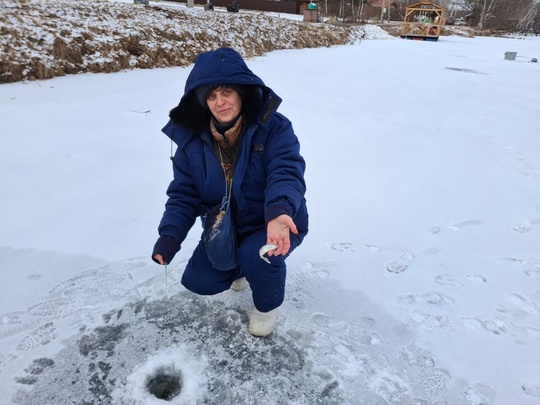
(236, 156)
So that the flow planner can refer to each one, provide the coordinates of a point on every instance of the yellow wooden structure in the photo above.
(423, 21)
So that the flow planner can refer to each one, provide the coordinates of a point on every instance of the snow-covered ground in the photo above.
(419, 282)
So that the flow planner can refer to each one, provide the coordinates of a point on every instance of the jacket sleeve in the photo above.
(183, 205)
(285, 184)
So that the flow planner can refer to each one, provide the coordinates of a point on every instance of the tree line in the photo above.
(513, 15)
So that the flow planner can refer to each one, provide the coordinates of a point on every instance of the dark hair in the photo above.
(204, 91)
(191, 115)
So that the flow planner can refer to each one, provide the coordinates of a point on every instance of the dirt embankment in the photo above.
(44, 39)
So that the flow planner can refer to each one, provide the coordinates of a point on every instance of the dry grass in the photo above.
(41, 40)
(68, 53)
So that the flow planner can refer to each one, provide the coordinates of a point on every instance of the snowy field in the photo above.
(419, 282)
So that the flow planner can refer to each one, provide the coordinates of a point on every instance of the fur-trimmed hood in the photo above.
(223, 66)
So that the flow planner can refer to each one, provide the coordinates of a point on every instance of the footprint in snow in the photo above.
(406, 259)
(400, 265)
(39, 337)
(431, 299)
(431, 321)
(6, 358)
(495, 326)
(479, 394)
(530, 269)
(438, 229)
(342, 246)
(523, 304)
(526, 226)
(318, 270)
(451, 280)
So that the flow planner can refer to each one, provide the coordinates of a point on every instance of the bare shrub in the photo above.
(49, 24)
(11, 72)
(87, 36)
(96, 30)
(70, 53)
(105, 49)
(132, 45)
(121, 61)
(167, 35)
(36, 70)
(105, 67)
(84, 46)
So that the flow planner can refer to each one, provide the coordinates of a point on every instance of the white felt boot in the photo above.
(239, 284)
(262, 323)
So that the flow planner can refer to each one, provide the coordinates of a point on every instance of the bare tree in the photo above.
(505, 14)
(360, 11)
(526, 12)
(502, 13)
(487, 10)
(536, 20)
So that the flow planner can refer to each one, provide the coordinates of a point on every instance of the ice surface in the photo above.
(417, 284)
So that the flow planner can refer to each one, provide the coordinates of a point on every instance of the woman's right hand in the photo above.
(165, 249)
(159, 259)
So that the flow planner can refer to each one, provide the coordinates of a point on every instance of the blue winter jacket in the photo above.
(268, 175)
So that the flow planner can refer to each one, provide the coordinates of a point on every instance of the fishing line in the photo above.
(167, 286)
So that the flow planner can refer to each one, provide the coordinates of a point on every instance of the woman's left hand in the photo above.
(277, 232)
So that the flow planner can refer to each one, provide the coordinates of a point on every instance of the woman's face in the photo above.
(225, 104)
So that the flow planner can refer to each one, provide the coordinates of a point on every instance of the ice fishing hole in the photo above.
(165, 383)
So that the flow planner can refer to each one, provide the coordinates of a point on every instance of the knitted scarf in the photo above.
(227, 146)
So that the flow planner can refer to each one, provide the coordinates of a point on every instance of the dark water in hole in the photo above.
(165, 386)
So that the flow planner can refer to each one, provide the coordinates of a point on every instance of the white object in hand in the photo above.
(265, 249)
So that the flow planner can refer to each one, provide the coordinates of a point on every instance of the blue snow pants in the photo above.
(267, 281)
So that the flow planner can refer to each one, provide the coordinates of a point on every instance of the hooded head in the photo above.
(222, 67)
